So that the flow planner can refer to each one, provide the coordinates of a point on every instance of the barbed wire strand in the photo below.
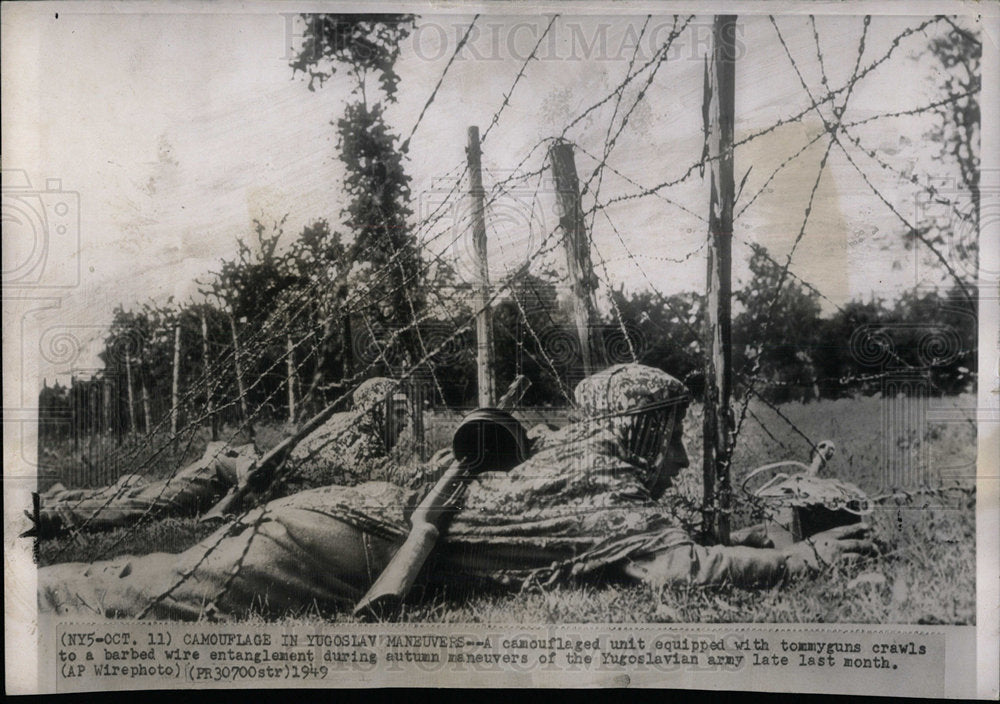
(772, 308)
(458, 48)
(517, 78)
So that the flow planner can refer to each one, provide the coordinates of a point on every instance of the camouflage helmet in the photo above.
(371, 393)
(627, 388)
(640, 405)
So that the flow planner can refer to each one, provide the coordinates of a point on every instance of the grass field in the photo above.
(924, 571)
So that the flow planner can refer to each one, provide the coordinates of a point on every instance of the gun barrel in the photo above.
(387, 594)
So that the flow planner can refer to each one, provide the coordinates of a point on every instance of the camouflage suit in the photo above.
(351, 447)
(583, 505)
(348, 449)
(192, 489)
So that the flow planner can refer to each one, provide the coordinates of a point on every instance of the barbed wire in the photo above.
(819, 53)
(831, 130)
(635, 183)
(665, 299)
(405, 147)
(700, 163)
(185, 400)
(614, 91)
(274, 329)
(618, 102)
(915, 232)
(763, 426)
(517, 78)
(224, 534)
(155, 509)
(609, 143)
(913, 111)
(928, 188)
(780, 167)
(192, 426)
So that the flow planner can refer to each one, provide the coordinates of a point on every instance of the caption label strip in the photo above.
(141, 656)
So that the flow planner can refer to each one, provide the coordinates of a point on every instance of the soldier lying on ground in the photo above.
(584, 506)
(192, 489)
(352, 447)
(349, 448)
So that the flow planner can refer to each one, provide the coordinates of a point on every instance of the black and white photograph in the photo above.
(501, 344)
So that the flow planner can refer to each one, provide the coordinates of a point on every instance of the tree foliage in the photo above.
(377, 213)
(376, 184)
(778, 328)
(949, 225)
(362, 43)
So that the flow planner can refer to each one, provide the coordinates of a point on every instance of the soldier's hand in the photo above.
(839, 544)
(752, 537)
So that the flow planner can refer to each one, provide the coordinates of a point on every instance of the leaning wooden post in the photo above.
(484, 323)
(720, 95)
(581, 272)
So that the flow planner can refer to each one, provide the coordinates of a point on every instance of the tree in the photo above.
(377, 214)
(361, 43)
(937, 332)
(666, 331)
(257, 288)
(367, 46)
(318, 258)
(776, 332)
(842, 363)
(950, 224)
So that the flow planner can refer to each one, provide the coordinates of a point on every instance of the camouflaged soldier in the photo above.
(352, 447)
(192, 489)
(584, 506)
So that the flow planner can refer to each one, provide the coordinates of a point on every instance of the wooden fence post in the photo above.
(720, 99)
(239, 376)
(484, 324)
(213, 421)
(147, 412)
(131, 394)
(578, 262)
(175, 384)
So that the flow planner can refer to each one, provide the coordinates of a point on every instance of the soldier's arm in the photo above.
(747, 566)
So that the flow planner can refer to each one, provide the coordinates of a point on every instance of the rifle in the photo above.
(431, 517)
(267, 464)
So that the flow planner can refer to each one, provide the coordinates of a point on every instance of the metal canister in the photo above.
(490, 440)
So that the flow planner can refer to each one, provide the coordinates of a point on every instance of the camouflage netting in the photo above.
(804, 491)
(583, 483)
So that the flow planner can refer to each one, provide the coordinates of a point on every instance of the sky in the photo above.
(153, 140)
